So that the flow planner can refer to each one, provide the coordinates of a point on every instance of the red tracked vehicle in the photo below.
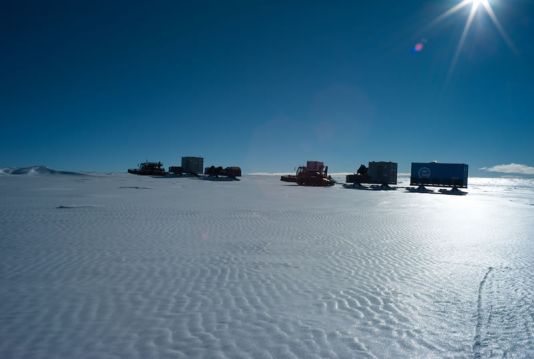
(313, 174)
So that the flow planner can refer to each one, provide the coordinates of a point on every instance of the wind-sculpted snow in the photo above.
(122, 266)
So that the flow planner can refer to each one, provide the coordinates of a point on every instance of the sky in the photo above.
(265, 85)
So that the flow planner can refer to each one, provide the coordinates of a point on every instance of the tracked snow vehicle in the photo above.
(149, 169)
(313, 174)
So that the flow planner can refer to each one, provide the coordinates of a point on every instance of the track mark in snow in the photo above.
(505, 319)
(478, 328)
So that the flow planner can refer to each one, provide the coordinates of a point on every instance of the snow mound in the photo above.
(35, 170)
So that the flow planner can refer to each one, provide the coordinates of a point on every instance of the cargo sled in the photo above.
(176, 170)
(229, 172)
(434, 174)
(190, 166)
(378, 174)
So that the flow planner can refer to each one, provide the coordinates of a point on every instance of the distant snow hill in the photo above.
(36, 170)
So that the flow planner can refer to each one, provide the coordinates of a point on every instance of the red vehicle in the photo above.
(290, 178)
(313, 174)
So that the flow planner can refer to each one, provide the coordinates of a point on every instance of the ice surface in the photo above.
(122, 266)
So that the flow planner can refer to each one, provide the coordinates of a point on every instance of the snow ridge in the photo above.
(35, 170)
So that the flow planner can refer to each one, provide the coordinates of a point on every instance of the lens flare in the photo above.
(475, 6)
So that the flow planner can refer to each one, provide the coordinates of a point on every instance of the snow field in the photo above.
(121, 266)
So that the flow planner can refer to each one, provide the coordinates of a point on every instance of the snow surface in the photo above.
(122, 266)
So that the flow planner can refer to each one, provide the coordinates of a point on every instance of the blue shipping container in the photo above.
(439, 174)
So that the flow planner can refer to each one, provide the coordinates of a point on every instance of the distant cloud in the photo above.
(514, 168)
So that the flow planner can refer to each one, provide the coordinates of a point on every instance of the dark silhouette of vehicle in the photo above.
(149, 169)
(176, 170)
(230, 172)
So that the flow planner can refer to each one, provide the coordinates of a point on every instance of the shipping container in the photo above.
(382, 173)
(439, 174)
(193, 165)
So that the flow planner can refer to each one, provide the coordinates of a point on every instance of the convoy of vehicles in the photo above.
(192, 166)
(378, 174)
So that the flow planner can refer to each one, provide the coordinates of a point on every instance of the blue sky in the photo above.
(103, 85)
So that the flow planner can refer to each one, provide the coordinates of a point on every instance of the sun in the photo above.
(477, 3)
(476, 6)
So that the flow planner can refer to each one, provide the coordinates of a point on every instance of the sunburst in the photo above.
(476, 5)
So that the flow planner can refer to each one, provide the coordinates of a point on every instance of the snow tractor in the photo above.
(149, 169)
(313, 174)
